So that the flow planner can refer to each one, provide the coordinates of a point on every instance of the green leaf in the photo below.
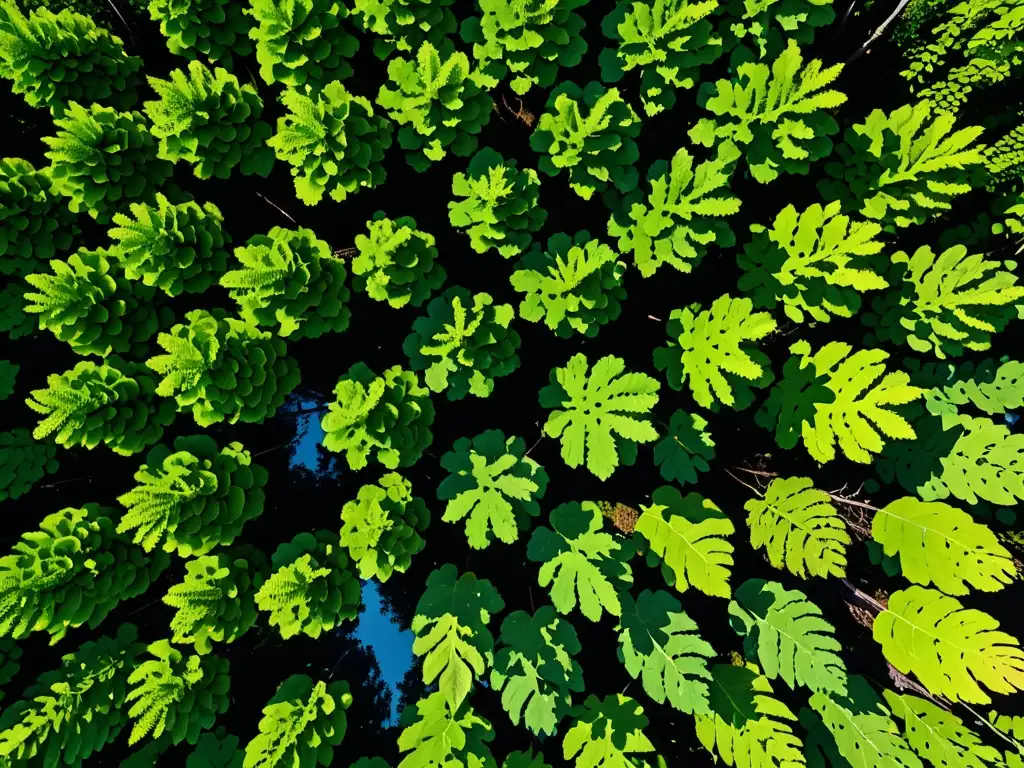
(659, 644)
(493, 485)
(301, 725)
(381, 527)
(598, 416)
(817, 262)
(685, 450)
(435, 737)
(682, 215)
(711, 351)
(747, 727)
(579, 560)
(780, 115)
(896, 170)
(573, 285)
(945, 304)
(798, 528)
(938, 544)
(938, 736)
(606, 733)
(834, 395)
(952, 650)
(591, 132)
(451, 660)
(864, 733)
(534, 669)
(788, 635)
(689, 534)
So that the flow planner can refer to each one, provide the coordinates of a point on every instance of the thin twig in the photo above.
(122, 20)
(748, 485)
(143, 607)
(848, 10)
(863, 596)
(69, 480)
(757, 472)
(276, 447)
(990, 726)
(878, 32)
(851, 502)
(270, 202)
(535, 444)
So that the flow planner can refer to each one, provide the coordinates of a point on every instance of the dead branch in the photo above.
(522, 114)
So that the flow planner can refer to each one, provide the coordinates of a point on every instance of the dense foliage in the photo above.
(757, 511)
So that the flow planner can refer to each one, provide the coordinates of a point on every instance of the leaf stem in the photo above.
(748, 485)
(863, 596)
(981, 720)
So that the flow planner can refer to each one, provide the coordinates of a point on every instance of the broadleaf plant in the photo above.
(589, 131)
(493, 485)
(780, 115)
(712, 353)
(816, 263)
(500, 209)
(333, 141)
(289, 281)
(527, 41)
(581, 564)
(688, 537)
(382, 527)
(685, 449)
(599, 413)
(438, 102)
(388, 416)
(574, 284)
(667, 40)
(207, 119)
(396, 262)
(463, 344)
(682, 215)
(534, 669)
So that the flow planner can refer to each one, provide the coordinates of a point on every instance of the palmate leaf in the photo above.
(578, 559)
(896, 170)
(834, 395)
(864, 733)
(991, 386)
(952, 650)
(941, 545)
(436, 737)
(816, 263)
(688, 536)
(524, 760)
(606, 733)
(945, 304)
(781, 115)
(711, 351)
(668, 40)
(788, 635)
(301, 725)
(682, 215)
(939, 736)
(685, 450)
(603, 412)
(747, 727)
(534, 670)
(798, 528)
(574, 284)
(493, 485)
(659, 644)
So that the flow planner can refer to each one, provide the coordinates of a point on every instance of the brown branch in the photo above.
(271, 203)
(863, 596)
(748, 485)
(852, 503)
(757, 472)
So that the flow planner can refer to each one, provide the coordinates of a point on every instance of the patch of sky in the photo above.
(381, 634)
(308, 433)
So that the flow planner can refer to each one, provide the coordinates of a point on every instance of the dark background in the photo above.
(301, 500)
